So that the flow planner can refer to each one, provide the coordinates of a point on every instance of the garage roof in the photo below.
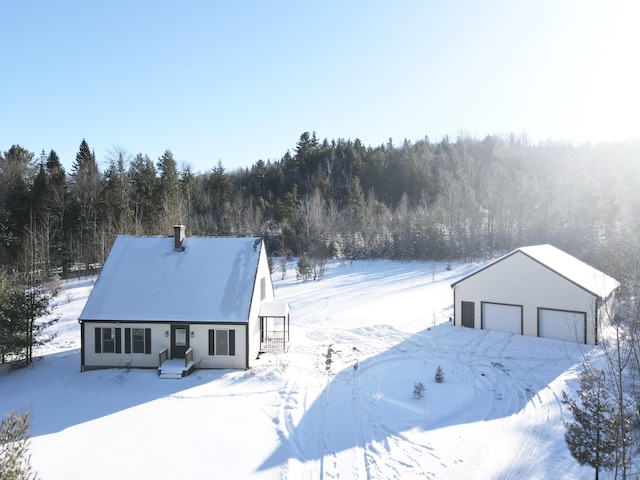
(585, 276)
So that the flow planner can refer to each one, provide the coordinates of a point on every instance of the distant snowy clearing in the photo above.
(338, 404)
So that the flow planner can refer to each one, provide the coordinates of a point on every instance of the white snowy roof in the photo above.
(585, 276)
(274, 309)
(145, 279)
(574, 270)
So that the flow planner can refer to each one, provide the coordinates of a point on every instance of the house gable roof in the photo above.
(145, 279)
(575, 271)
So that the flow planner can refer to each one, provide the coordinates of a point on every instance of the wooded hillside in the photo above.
(334, 198)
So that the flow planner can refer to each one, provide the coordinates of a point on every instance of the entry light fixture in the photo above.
(166, 333)
(192, 333)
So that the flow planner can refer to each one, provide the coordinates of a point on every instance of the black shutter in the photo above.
(127, 340)
(118, 340)
(232, 342)
(98, 340)
(147, 341)
(212, 342)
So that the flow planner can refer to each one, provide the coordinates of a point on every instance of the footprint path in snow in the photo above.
(483, 362)
(346, 416)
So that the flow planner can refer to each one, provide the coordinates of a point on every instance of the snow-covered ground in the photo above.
(496, 415)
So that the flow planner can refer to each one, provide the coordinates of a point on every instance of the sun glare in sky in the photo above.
(241, 81)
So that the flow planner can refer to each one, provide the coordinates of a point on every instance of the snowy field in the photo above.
(496, 415)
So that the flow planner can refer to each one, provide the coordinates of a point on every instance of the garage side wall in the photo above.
(606, 312)
(519, 280)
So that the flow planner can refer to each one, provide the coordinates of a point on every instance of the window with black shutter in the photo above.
(222, 342)
(108, 341)
(127, 340)
(118, 340)
(147, 341)
(98, 340)
(212, 350)
(137, 340)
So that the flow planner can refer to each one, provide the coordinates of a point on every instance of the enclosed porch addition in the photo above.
(274, 326)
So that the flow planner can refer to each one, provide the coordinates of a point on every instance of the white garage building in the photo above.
(539, 291)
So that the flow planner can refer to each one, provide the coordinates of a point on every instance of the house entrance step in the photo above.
(175, 368)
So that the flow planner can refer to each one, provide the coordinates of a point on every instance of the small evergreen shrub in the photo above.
(418, 390)
(305, 268)
(439, 375)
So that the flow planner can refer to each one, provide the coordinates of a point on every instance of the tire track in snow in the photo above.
(533, 393)
(386, 453)
(474, 365)
(362, 461)
(514, 402)
(389, 454)
(375, 450)
(354, 435)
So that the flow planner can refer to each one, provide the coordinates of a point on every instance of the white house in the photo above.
(539, 291)
(207, 302)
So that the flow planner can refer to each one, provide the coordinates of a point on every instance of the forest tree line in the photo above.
(420, 200)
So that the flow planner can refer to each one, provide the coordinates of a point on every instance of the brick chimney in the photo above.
(178, 237)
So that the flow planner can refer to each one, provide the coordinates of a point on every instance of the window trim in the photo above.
(230, 341)
(129, 344)
(117, 334)
(111, 345)
(137, 345)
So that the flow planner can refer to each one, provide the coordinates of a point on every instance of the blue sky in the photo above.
(238, 81)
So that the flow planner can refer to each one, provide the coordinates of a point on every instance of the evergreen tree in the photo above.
(17, 170)
(86, 186)
(46, 200)
(220, 186)
(592, 435)
(15, 460)
(258, 176)
(188, 196)
(356, 204)
(20, 306)
(115, 196)
(144, 208)
(83, 158)
(418, 390)
(168, 193)
(439, 376)
(56, 170)
(304, 267)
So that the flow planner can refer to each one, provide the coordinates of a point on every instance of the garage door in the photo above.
(561, 325)
(503, 318)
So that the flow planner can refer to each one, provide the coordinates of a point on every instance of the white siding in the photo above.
(107, 360)
(519, 280)
(256, 300)
(200, 344)
(198, 341)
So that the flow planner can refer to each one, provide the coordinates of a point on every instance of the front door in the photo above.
(179, 340)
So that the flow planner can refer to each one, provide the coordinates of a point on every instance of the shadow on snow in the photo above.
(59, 396)
(369, 404)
